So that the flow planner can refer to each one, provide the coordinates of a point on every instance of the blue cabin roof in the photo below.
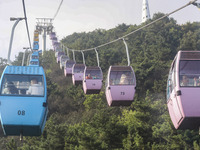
(32, 70)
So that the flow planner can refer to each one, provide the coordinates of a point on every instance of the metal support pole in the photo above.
(44, 39)
(28, 59)
(97, 56)
(74, 56)
(26, 48)
(67, 52)
(12, 35)
(127, 53)
(83, 57)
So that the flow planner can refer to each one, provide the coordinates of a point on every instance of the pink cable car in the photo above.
(183, 90)
(63, 60)
(77, 73)
(68, 67)
(59, 56)
(52, 35)
(92, 82)
(120, 85)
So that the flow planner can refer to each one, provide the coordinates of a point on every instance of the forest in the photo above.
(85, 122)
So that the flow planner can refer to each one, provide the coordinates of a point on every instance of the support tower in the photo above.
(44, 25)
(145, 11)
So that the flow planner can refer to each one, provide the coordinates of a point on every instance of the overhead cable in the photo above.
(26, 24)
(121, 38)
(57, 10)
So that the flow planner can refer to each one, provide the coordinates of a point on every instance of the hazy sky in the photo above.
(80, 16)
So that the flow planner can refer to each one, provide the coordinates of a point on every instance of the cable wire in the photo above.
(26, 24)
(89, 49)
(57, 10)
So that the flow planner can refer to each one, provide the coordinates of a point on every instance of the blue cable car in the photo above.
(34, 62)
(34, 59)
(35, 45)
(23, 100)
(35, 55)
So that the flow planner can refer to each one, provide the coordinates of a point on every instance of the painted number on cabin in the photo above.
(122, 93)
(21, 112)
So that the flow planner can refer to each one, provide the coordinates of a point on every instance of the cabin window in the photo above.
(93, 74)
(189, 73)
(79, 69)
(22, 85)
(121, 78)
(34, 63)
(69, 65)
(35, 57)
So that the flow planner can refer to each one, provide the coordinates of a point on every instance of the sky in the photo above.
(80, 16)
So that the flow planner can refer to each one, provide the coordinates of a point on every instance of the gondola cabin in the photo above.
(35, 45)
(68, 67)
(35, 55)
(56, 45)
(92, 82)
(23, 100)
(57, 49)
(59, 56)
(54, 39)
(52, 35)
(57, 53)
(36, 33)
(34, 62)
(120, 86)
(183, 90)
(77, 73)
(36, 39)
(63, 60)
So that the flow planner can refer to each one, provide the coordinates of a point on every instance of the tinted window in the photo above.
(189, 73)
(22, 85)
(121, 78)
(79, 69)
(93, 74)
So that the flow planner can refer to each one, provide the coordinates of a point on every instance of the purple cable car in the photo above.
(77, 73)
(92, 82)
(59, 56)
(52, 35)
(54, 39)
(183, 90)
(68, 67)
(120, 86)
(63, 60)
(55, 44)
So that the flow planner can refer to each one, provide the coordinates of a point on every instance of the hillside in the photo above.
(79, 121)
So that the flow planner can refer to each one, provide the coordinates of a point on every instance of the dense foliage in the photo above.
(78, 121)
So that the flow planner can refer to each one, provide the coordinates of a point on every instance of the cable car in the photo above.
(52, 35)
(92, 82)
(36, 33)
(34, 62)
(35, 45)
(36, 39)
(68, 67)
(120, 86)
(59, 54)
(55, 44)
(23, 100)
(77, 73)
(63, 60)
(183, 90)
(35, 55)
(54, 39)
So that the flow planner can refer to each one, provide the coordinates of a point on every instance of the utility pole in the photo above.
(44, 25)
(145, 11)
